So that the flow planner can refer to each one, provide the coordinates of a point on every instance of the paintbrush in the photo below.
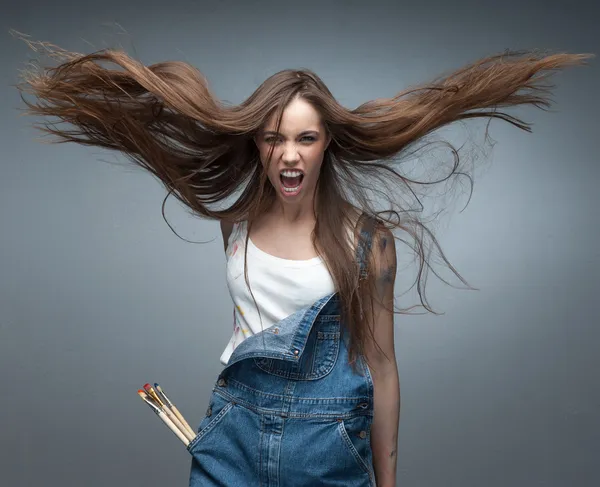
(175, 410)
(167, 409)
(161, 414)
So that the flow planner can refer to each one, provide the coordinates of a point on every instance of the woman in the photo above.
(309, 394)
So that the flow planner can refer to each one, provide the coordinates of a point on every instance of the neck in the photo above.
(295, 213)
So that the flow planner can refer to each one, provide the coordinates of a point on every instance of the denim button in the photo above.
(363, 434)
(221, 382)
(296, 352)
(276, 331)
(209, 411)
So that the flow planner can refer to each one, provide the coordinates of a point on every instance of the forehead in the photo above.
(298, 116)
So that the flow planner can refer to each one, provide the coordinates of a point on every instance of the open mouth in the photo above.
(291, 180)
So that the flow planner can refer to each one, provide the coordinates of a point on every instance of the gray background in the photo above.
(99, 296)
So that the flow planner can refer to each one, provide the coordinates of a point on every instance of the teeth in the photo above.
(291, 190)
(291, 174)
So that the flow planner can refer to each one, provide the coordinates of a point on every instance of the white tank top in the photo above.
(280, 287)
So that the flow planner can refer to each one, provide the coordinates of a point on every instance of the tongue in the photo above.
(291, 182)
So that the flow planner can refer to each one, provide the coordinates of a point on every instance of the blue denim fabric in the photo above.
(288, 410)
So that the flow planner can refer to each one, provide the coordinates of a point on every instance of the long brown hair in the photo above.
(165, 119)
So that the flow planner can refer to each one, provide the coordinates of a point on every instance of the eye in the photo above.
(273, 140)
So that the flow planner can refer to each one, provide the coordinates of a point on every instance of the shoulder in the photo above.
(382, 246)
(376, 240)
(381, 236)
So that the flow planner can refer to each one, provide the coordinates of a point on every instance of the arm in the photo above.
(384, 431)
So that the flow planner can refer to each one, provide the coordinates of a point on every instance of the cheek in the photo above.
(315, 162)
(264, 149)
(264, 155)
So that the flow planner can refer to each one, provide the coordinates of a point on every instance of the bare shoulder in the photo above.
(226, 229)
(383, 246)
(361, 221)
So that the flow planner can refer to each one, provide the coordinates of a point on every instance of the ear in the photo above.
(328, 140)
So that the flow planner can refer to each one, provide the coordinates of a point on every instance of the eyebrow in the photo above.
(306, 132)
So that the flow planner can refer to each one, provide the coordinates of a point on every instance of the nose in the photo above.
(290, 154)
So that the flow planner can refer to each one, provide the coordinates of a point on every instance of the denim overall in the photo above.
(288, 410)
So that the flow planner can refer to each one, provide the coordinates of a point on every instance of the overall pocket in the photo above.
(318, 358)
(318, 451)
(356, 434)
(218, 408)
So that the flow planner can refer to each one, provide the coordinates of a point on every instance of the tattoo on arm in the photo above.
(387, 276)
(386, 264)
(383, 244)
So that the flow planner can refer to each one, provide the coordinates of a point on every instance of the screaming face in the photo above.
(298, 150)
